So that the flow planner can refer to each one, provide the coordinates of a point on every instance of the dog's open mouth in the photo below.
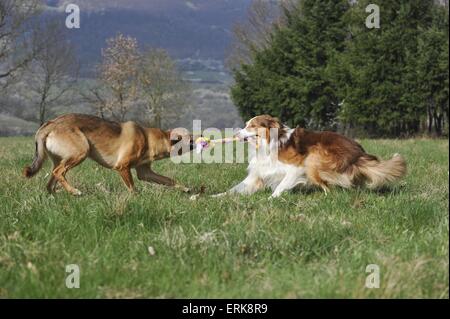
(251, 138)
(248, 138)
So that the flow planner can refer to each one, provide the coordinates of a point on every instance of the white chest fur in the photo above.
(273, 172)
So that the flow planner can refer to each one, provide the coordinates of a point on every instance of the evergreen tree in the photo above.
(378, 76)
(433, 71)
(324, 68)
(289, 78)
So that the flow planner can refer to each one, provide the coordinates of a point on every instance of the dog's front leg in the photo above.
(248, 186)
(127, 178)
(145, 173)
(288, 182)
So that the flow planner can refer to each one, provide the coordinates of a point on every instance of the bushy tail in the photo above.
(39, 158)
(379, 173)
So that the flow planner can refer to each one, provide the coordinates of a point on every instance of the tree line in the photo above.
(319, 66)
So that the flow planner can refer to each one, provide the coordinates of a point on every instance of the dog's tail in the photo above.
(377, 173)
(39, 156)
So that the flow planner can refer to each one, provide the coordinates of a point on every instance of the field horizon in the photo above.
(159, 244)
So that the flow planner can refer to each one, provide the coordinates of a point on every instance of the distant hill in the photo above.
(14, 126)
(196, 28)
(151, 5)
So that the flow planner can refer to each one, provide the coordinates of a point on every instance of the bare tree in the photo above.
(255, 33)
(118, 73)
(94, 94)
(163, 88)
(54, 69)
(15, 49)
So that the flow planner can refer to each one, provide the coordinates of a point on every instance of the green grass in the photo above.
(302, 245)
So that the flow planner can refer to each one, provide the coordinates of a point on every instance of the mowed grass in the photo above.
(302, 245)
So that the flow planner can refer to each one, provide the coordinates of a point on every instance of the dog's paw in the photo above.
(76, 192)
(194, 197)
(218, 195)
(182, 188)
(273, 196)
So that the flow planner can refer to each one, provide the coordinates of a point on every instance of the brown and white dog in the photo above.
(288, 157)
(69, 139)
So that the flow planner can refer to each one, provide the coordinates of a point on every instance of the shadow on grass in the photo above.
(306, 190)
(388, 190)
(385, 190)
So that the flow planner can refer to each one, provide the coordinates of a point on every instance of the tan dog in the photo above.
(71, 138)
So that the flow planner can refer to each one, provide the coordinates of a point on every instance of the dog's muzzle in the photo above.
(244, 134)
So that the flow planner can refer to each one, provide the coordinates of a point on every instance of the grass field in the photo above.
(302, 245)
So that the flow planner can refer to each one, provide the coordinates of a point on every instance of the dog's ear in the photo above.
(277, 122)
(274, 122)
(268, 121)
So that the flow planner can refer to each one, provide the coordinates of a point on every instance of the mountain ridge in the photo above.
(196, 28)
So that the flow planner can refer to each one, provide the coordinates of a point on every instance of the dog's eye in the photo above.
(175, 140)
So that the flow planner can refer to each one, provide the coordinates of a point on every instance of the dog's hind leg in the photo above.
(313, 173)
(60, 172)
(51, 185)
(72, 148)
(145, 173)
